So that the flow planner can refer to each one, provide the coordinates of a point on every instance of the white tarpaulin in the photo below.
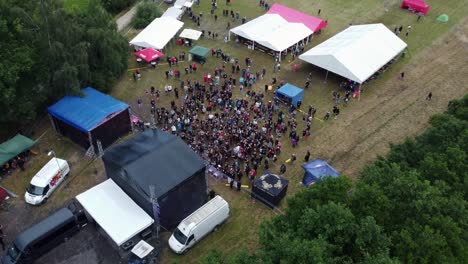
(273, 32)
(114, 211)
(173, 12)
(357, 52)
(157, 34)
(190, 34)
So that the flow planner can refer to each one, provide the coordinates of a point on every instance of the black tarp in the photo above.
(270, 189)
(157, 158)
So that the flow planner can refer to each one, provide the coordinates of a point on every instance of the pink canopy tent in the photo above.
(149, 54)
(313, 23)
(418, 6)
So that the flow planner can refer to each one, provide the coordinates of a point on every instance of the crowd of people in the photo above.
(17, 162)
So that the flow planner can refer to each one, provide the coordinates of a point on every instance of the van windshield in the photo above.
(33, 189)
(180, 236)
(13, 252)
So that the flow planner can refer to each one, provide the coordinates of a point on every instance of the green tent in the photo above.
(11, 148)
(199, 51)
(443, 18)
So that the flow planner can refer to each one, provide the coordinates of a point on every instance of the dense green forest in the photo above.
(47, 51)
(408, 207)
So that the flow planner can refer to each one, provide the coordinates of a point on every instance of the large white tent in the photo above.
(273, 32)
(157, 34)
(357, 52)
(114, 211)
(183, 3)
(173, 12)
(285, 36)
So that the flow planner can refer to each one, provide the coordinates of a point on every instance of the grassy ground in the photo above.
(389, 109)
(72, 5)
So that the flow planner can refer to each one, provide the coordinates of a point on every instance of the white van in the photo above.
(197, 225)
(46, 181)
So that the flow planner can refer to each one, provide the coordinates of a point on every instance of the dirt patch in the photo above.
(398, 109)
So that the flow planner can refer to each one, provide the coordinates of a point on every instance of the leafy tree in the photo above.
(145, 14)
(47, 52)
(116, 6)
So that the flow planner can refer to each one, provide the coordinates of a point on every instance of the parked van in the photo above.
(46, 181)
(43, 236)
(197, 225)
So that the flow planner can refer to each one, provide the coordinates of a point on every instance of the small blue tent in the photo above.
(290, 94)
(316, 170)
(95, 116)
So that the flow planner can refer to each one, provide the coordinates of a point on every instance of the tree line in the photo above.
(407, 207)
(47, 52)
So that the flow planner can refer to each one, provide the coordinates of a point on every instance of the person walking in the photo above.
(283, 169)
(402, 75)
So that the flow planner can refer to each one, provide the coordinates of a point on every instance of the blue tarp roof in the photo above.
(290, 90)
(316, 170)
(85, 113)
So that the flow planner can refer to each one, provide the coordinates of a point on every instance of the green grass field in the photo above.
(74, 5)
(240, 232)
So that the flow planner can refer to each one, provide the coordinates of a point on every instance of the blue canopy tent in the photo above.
(95, 116)
(316, 170)
(290, 94)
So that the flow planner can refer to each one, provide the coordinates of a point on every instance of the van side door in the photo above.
(191, 241)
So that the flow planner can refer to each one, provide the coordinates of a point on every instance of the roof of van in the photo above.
(43, 177)
(203, 212)
(54, 221)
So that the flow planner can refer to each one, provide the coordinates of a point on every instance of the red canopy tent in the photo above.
(293, 16)
(418, 6)
(149, 54)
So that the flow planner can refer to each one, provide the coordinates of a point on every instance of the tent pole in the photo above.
(279, 58)
(326, 77)
(359, 94)
(53, 124)
(253, 45)
(229, 35)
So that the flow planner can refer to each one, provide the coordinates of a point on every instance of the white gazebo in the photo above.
(357, 52)
(174, 12)
(190, 34)
(157, 34)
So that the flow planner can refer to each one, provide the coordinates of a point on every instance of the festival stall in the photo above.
(290, 94)
(165, 161)
(357, 52)
(198, 53)
(181, 4)
(13, 147)
(91, 118)
(270, 189)
(416, 6)
(316, 170)
(190, 34)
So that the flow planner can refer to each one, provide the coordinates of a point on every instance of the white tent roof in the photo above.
(183, 3)
(260, 26)
(114, 211)
(158, 33)
(273, 32)
(190, 34)
(285, 36)
(357, 52)
(173, 12)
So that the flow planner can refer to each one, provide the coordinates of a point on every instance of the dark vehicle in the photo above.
(32, 243)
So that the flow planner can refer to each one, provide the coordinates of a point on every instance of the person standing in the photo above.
(307, 156)
(282, 169)
(402, 75)
(1, 238)
(429, 97)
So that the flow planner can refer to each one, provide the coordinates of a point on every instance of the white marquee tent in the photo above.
(190, 34)
(183, 3)
(114, 211)
(173, 12)
(157, 34)
(273, 32)
(285, 36)
(357, 52)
